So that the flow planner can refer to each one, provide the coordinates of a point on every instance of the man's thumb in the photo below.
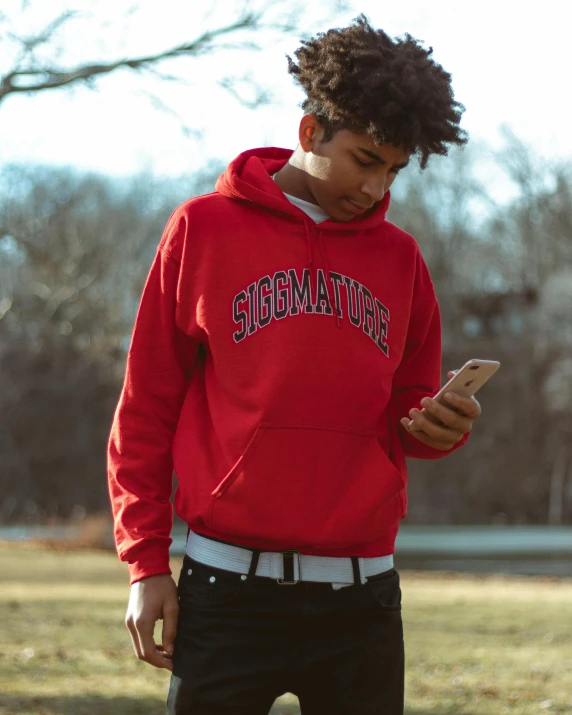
(169, 629)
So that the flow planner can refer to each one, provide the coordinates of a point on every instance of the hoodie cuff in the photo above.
(155, 561)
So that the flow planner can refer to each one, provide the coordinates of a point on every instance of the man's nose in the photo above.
(376, 188)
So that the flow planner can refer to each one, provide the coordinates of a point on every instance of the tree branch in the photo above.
(51, 78)
(29, 44)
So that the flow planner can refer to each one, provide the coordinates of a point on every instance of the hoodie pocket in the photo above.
(309, 486)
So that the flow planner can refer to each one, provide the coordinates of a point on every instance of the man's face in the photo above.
(347, 175)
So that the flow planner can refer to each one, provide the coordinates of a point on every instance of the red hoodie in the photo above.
(271, 360)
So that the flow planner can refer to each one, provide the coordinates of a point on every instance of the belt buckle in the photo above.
(290, 553)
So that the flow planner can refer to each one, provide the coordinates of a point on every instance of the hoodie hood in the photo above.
(249, 178)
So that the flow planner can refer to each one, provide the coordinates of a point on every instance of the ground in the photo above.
(475, 645)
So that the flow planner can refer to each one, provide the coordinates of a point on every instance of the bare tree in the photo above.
(510, 270)
(74, 252)
(35, 66)
(535, 229)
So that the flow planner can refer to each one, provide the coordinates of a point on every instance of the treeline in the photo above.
(496, 232)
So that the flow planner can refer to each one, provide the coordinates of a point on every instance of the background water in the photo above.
(528, 550)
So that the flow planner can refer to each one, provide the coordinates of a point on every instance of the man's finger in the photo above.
(170, 617)
(134, 637)
(150, 653)
(443, 445)
(447, 416)
(467, 405)
(436, 433)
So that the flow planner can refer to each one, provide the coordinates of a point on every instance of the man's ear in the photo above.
(310, 132)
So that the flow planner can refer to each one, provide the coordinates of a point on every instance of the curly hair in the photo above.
(360, 79)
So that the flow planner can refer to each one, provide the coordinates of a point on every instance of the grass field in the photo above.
(475, 645)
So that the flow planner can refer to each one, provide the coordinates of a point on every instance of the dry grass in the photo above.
(476, 646)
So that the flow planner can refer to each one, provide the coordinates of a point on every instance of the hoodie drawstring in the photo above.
(313, 280)
(330, 289)
(314, 271)
(309, 243)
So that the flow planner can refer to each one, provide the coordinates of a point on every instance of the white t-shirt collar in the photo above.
(315, 212)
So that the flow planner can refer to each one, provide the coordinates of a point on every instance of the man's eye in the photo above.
(364, 163)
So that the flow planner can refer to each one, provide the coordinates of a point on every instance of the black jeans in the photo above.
(241, 643)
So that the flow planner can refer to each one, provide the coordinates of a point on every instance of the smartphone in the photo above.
(471, 377)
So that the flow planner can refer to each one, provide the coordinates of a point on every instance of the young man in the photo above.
(286, 335)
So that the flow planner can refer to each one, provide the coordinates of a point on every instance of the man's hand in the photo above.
(152, 599)
(441, 426)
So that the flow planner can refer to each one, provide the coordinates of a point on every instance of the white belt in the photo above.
(338, 571)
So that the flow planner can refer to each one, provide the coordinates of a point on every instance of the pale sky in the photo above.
(510, 63)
